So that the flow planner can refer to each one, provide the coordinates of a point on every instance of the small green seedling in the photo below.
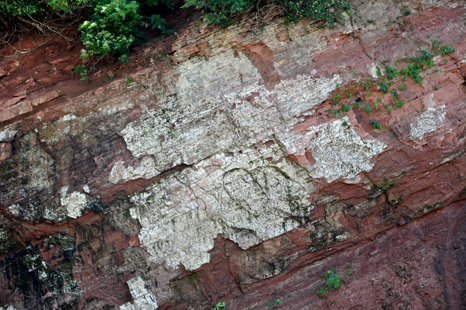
(333, 282)
(375, 124)
(80, 69)
(221, 304)
(379, 73)
(435, 45)
(446, 50)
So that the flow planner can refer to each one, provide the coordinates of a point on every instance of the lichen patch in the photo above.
(74, 203)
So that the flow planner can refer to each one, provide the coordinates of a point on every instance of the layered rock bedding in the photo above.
(238, 165)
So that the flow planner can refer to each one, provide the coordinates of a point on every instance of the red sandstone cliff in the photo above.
(211, 168)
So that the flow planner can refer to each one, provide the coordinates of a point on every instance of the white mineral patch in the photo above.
(143, 299)
(296, 96)
(242, 196)
(429, 121)
(7, 135)
(69, 117)
(338, 150)
(55, 214)
(208, 116)
(74, 203)
(222, 76)
(373, 70)
(15, 210)
(10, 307)
(145, 169)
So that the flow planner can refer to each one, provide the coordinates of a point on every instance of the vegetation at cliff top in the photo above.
(111, 27)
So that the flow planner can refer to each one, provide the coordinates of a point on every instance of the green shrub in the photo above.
(11, 10)
(222, 12)
(328, 10)
(113, 26)
(112, 29)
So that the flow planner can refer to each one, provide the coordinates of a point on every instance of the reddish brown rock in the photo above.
(123, 190)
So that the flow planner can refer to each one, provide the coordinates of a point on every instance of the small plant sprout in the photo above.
(375, 124)
(383, 87)
(221, 304)
(367, 108)
(445, 61)
(337, 98)
(435, 88)
(446, 50)
(379, 73)
(339, 71)
(349, 94)
(333, 282)
(379, 100)
(129, 80)
(80, 69)
(435, 45)
(346, 108)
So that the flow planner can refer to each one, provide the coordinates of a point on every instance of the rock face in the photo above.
(222, 173)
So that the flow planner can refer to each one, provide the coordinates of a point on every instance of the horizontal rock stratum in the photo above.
(241, 167)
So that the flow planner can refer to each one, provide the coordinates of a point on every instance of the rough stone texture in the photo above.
(143, 299)
(219, 174)
(429, 121)
(242, 196)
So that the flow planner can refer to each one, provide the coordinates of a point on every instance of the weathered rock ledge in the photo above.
(219, 173)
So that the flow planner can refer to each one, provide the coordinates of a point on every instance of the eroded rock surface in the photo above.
(224, 173)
